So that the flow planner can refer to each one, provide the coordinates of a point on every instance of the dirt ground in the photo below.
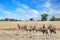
(24, 35)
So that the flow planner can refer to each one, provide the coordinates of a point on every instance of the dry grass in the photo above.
(13, 25)
(8, 31)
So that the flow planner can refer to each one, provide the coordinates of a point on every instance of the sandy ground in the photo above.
(24, 35)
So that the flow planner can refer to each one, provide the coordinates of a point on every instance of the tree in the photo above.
(6, 19)
(1, 19)
(31, 19)
(53, 18)
(11, 19)
(44, 17)
(38, 20)
(57, 19)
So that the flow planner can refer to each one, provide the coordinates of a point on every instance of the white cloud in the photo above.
(54, 11)
(34, 13)
(30, 13)
(26, 11)
(4, 11)
(7, 14)
(21, 10)
(47, 4)
(37, 1)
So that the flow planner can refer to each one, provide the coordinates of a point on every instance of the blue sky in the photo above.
(25, 9)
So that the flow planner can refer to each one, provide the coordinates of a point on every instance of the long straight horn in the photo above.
(18, 26)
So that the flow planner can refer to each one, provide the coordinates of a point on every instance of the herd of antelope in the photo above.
(51, 28)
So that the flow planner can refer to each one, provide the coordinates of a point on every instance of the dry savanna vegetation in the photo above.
(9, 30)
(13, 24)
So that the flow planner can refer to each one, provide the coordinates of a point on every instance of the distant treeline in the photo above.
(54, 19)
(44, 18)
(31, 19)
(9, 19)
